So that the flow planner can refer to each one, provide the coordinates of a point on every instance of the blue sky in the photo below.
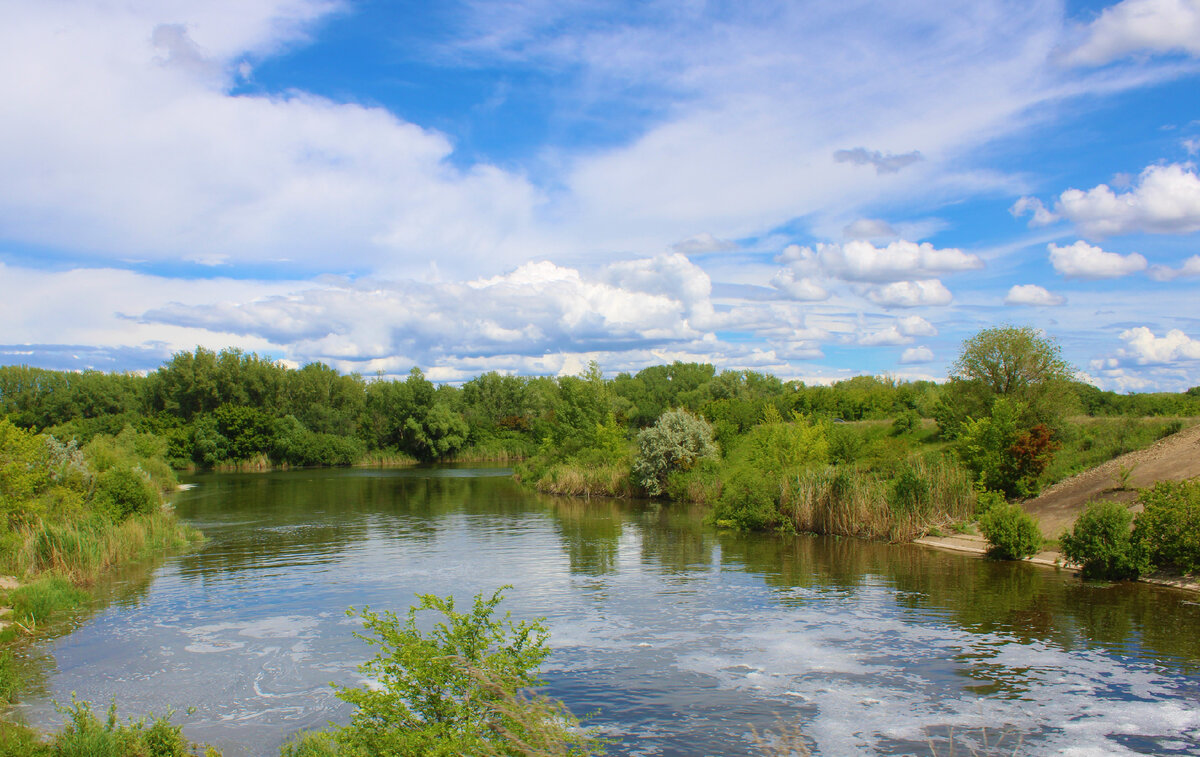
(816, 189)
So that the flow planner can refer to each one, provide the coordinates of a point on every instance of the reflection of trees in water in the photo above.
(589, 530)
(324, 512)
(1022, 602)
(675, 538)
(262, 519)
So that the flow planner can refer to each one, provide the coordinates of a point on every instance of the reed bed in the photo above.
(845, 501)
(575, 480)
(81, 550)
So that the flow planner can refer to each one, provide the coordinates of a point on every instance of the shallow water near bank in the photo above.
(680, 638)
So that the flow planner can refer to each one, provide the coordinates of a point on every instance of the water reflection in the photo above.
(682, 637)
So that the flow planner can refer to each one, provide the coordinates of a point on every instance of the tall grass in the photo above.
(381, 458)
(578, 480)
(846, 501)
(80, 550)
(495, 451)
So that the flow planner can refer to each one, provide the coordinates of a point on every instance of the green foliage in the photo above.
(778, 447)
(906, 422)
(749, 501)
(676, 442)
(122, 491)
(1169, 526)
(1011, 533)
(1017, 363)
(37, 600)
(456, 689)
(1102, 543)
(986, 499)
(1001, 453)
(85, 735)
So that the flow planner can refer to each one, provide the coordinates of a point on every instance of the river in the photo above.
(682, 640)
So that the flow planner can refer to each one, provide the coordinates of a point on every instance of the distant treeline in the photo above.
(218, 408)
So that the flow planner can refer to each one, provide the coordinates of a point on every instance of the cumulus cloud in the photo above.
(1165, 200)
(883, 162)
(1190, 267)
(798, 288)
(913, 355)
(1084, 261)
(915, 325)
(1192, 145)
(1035, 208)
(537, 308)
(859, 260)
(909, 294)
(1033, 295)
(888, 336)
(1156, 26)
(1144, 348)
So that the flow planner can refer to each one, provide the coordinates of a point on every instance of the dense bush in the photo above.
(1169, 527)
(749, 501)
(676, 442)
(454, 690)
(1011, 533)
(1003, 455)
(1102, 544)
(122, 491)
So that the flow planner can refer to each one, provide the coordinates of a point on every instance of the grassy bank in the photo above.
(68, 515)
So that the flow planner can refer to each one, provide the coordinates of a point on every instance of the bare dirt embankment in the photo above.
(1175, 458)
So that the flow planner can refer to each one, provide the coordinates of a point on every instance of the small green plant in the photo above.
(1123, 476)
(455, 690)
(1169, 526)
(1012, 533)
(1102, 544)
(906, 422)
(85, 735)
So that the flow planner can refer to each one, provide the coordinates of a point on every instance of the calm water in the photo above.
(680, 638)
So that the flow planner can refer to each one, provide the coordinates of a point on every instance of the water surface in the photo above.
(681, 639)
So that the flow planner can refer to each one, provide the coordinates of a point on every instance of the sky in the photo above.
(812, 189)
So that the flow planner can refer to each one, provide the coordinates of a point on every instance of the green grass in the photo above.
(1089, 442)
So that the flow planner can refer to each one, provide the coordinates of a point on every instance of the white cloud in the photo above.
(1084, 261)
(1033, 295)
(1034, 207)
(798, 288)
(1190, 267)
(1131, 26)
(1166, 200)
(1192, 145)
(888, 336)
(1144, 348)
(859, 260)
(921, 354)
(908, 294)
(915, 325)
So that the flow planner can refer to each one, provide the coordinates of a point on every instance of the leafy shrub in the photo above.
(1102, 543)
(906, 422)
(123, 491)
(676, 442)
(1002, 454)
(749, 501)
(986, 499)
(845, 443)
(1169, 527)
(84, 735)
(1012, 533)
(453, 690)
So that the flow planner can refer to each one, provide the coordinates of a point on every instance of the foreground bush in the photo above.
(1102, 544)
(1012, 533)
(456, 690)
(1169, 527)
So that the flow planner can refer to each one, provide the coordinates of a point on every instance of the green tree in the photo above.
(457, 689)
(1017, 363)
